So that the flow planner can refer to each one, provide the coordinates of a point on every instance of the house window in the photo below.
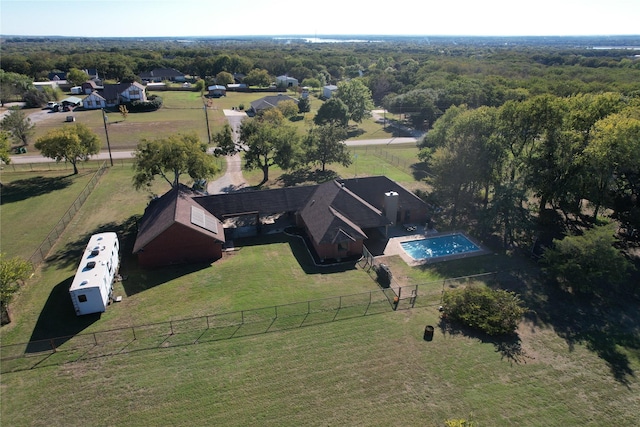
(135, 92)
(89, 103)
(82, 298)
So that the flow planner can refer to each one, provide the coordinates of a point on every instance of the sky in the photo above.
(185, 18)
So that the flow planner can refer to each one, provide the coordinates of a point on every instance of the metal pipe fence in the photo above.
(41, 252)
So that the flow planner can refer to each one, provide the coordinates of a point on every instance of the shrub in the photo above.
(152, 104)
(495, 312)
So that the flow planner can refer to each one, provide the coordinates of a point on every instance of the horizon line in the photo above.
(322, 36)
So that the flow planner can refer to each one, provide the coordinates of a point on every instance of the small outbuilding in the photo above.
(328, 91)
(216, 91)
(286, 81)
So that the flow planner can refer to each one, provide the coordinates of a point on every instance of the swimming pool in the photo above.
(439, 246)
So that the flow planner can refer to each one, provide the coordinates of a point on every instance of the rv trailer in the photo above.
(92, 285)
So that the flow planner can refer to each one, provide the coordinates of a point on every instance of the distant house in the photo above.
(114, 95)
(90, 86)
(176, 230)
(162, 74)
(337, 217)
(327, 91)
(267, 102)
(237, 87)
(57, 75)
(217, 91)
(94, 101)
(286, 81)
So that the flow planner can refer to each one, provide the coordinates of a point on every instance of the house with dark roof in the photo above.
(161, 74)
(176, 230)
(112, 95)
(262, 104)
(336, 216)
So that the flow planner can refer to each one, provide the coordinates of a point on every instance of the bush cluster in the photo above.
(153, 103)
(495, 312)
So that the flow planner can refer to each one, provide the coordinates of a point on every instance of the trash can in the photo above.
(428, 333)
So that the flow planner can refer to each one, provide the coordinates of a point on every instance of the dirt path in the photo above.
(232, 180)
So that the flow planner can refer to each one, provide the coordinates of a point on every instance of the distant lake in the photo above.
(327, 40)
(616, 47)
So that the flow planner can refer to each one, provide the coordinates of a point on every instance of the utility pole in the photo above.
(106, 132)
(206, 117)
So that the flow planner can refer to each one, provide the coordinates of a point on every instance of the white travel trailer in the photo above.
(92, 285)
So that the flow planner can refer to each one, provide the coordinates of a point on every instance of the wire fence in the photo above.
(41, 252)
(58, 350)
(237, 324)
(62, 166)
(409, 166)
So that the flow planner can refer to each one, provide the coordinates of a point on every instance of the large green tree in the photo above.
(70, 143)
(77, 77)
(419, 105)
(18, 125)
(13, 86)
(325, 144)
(224, 142)
(589, 262)
(269, 141)
(5, 147)
(13, 272)
(169, 158)
(334, 112)
(613, 158)
(258, 77)
(357, 97)
(224, 78)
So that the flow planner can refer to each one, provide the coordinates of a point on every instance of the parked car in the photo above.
(51, 105)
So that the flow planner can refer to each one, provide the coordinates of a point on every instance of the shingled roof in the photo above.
(288, 199)
(174, 206)
(270, 101)
(334, 214)
(373, 188)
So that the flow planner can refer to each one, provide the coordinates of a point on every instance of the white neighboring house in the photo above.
(114, 95)
(286, 81)
(94, 101)
(92, 285)
(328, 90)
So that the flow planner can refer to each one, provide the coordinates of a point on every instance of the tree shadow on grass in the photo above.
(509, 346)
(70, 254)
(305, 176)
(604, 325)
(23, 189)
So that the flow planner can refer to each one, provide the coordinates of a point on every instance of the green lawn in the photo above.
(568, 366)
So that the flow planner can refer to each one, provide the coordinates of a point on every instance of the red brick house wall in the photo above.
(329, 250)
(177, 245)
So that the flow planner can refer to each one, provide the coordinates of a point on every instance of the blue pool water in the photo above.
(439, 246)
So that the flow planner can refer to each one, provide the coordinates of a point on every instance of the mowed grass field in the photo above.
(368, 370)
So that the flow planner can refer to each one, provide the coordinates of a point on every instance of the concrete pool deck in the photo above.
(397, 235)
